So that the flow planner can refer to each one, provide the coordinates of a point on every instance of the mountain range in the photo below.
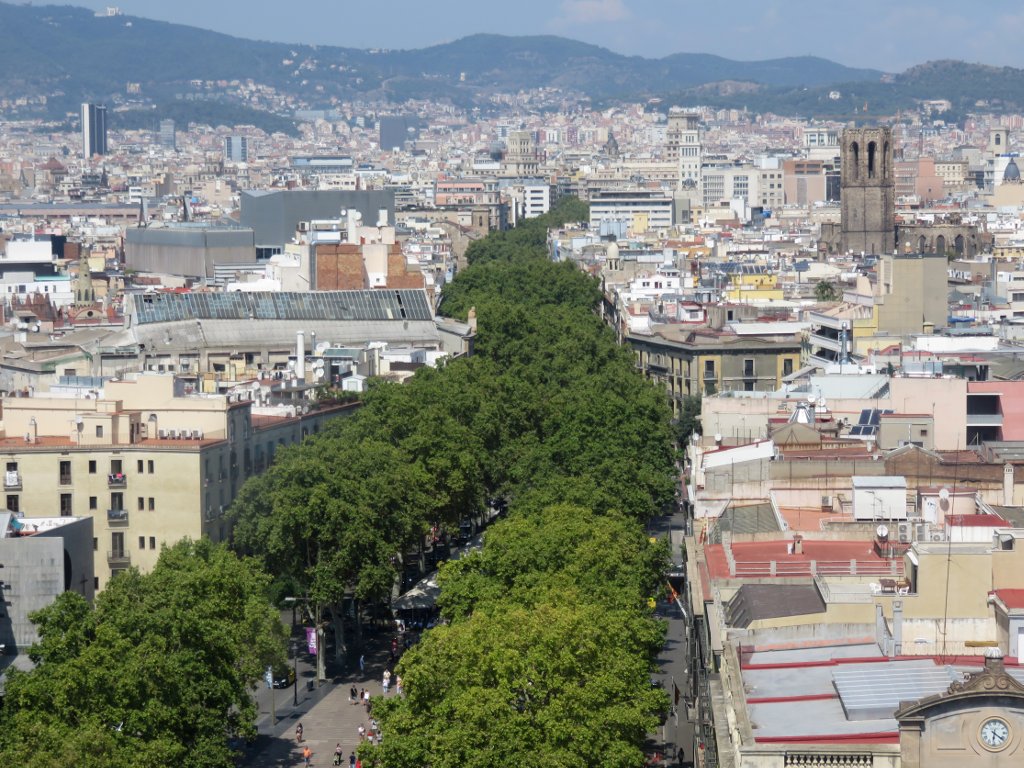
(72, 55)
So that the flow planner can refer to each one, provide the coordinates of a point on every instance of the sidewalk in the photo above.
(327, 717)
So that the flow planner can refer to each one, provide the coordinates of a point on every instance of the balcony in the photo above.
(118, 558)
(12, 481)
(117, 480)
(117, 516)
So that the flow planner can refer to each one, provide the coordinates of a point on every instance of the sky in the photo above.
(890, 35)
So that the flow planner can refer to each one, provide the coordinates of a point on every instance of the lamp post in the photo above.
(321, 673)
(295, 671)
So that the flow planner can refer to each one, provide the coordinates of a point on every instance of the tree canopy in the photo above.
(549, 641)
(158, 672)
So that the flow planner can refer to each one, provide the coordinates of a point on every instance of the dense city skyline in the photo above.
(882, 35)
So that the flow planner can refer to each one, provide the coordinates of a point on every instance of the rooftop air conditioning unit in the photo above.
(938, 536)
(905, 532)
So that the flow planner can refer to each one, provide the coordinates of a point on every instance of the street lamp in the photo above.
(321, 673)
(295, 671)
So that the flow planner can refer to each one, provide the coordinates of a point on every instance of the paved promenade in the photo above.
(327, 717)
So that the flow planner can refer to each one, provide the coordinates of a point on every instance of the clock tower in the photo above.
(977, 722)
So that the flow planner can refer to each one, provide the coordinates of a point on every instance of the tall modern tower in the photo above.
(167, 137)
(236, 149)
(94, 130)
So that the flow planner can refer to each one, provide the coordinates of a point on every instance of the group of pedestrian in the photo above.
(356, 697)
(371, 734)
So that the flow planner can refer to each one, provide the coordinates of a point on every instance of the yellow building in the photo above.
(149, 462)
(754, 289)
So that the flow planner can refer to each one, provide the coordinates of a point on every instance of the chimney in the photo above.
(300, 355)
(353, 231)
(1008, 485)
(382, 217)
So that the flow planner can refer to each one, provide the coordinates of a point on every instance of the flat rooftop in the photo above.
(840, 693)
(755, 559)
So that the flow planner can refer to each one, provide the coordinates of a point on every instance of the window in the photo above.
(748, 367)
(92, 466)
(92, 502)
(142, 503)
(95, 582)
(99, 430)
(12, 466)
(152, 503)
(117, 544)
(65, 473)
(748, 386)
(150, 466)
(709, 369)
(152, 542)
(139, 466)
(12, 503)
(787, 366)
(117, 501)
(95, 543)
(116, 467)
(142, 542)
(65, 505)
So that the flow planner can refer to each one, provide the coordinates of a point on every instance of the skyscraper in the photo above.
(236, 149)
(167, 137)
(94, 130)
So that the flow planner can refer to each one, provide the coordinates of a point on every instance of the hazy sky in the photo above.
(884, 34)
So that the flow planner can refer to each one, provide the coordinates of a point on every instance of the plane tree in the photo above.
(159, 672)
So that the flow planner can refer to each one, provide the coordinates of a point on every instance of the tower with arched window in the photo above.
(868, 190)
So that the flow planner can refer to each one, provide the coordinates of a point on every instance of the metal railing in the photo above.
(117, 516)
(118, 557)
(783, 568)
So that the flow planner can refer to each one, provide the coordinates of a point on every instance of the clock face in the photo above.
(995, 733)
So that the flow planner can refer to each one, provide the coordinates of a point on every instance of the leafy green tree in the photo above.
(158, 673)
(689, 418)
(826, 291)
(606, 557)
(564, 682)
(333, 514)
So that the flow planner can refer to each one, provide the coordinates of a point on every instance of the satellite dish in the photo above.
(944, 494)
(882, 531)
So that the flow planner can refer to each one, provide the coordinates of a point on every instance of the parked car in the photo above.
(284, 676)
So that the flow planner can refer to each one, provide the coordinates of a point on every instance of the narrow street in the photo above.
(673, 662)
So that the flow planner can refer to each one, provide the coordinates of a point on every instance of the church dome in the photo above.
(1012, 172)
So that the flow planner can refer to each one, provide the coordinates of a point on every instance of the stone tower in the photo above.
(868, 191)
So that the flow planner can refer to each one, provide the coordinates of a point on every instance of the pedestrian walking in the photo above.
(362, 733)
(306, 754)
(398, 685)
(298, 733)
(387, 680)
(351, 760)
(362, 663)
(339, 753)
(352, 694)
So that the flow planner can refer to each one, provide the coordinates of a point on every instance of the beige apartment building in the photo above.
(150, 462)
